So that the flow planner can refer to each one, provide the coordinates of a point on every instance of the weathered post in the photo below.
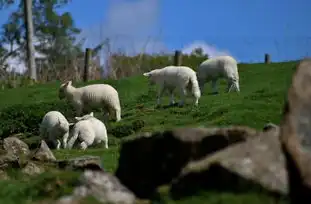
(87, 64)
(177, 58)
(267, 59)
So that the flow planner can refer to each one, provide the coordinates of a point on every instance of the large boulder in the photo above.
(257, 164)
(295, 134)
(15, 146)
(13, 153)
(103, 186)
(81, 163)
(155, 159)
(43, 153)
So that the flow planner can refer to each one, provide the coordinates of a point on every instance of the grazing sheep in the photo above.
(54, 126)
(92, 96)
(172, 77)
(219, 67)
(89, 130)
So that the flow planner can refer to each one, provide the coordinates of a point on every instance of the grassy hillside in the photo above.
(263, 88)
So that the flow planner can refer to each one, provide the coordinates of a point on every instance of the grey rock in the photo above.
(152, 160)
(105, 187)
(81, 163)
(251, 165)
(15, 146)
(43, 153)
(295, 133)
(32, 169)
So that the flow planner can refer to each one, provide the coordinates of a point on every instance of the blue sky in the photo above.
(245, 29)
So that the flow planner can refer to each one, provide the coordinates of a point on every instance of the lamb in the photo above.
(92, 96)
(89, 130)
(171, 77)
(54, 126)
(219, 67)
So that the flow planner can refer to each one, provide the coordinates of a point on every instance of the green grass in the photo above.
(263, 88)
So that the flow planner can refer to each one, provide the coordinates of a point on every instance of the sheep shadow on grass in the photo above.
(168, 106)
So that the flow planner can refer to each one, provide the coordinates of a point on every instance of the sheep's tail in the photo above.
(195, 88)
(73, 139)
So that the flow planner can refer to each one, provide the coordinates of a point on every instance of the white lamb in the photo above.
(92, 96)
(172, 77)
(89, 130)
(219, 67)
(54, 126)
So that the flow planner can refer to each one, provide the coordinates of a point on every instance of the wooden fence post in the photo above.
(267, 59)
(177, 58)
(87, 64)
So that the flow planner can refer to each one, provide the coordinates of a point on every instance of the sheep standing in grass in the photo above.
(54, 126)
(92, 96)
(88, 130)
(219, 67)
(172, 77)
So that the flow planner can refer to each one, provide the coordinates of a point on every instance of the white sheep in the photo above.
(172, 77)
(89, 130)
(92, 96)
(54, 126)
(219, 67)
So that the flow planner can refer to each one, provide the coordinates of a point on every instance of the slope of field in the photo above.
(263, 88)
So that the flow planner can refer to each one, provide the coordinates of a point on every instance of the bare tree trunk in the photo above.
(29, 35)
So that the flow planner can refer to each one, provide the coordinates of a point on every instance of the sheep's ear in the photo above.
(69, 83)
(77, 118)
(70, 124)
(91, 114)
(146, 74)
(66, 84)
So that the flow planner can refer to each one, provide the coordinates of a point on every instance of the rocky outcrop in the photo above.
(105, 187)
(15, 146)
(155, 159)
(295, 134)
(81, 163)
(15, 154)
(43, 153)
(257, 164)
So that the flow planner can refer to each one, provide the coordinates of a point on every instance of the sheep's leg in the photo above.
(172, 102)
(214, 86)
(58, 144)
(83, 145)
(99, 141)
(196, 101)
(65, 139)
(160, 93)
(118, 114)
(201, 84)
(106, 144)
(237, 86)
(183, 94)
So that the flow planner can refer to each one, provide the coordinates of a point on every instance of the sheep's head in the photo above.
(63, 126)
(62, 89)
(85, 117)
(151, 76)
